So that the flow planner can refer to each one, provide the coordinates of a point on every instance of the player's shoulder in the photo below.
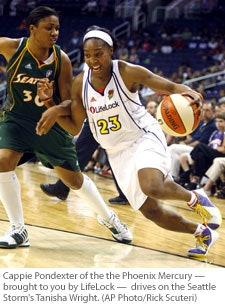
(9, 46)
(10, 42)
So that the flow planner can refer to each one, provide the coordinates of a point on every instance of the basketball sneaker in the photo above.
(203, 242)
(15, 237)
(119, 230)
(58, 190)
(118, 200)
(209, 213)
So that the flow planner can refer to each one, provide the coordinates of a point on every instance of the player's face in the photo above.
(97, 55)
(46, 32)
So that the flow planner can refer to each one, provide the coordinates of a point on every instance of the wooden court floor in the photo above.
(66, 234)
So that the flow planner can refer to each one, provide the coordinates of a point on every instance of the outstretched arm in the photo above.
(133, 75)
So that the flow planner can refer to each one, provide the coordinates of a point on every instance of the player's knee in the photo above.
(151, 209)
(75, 182)
(152, 190)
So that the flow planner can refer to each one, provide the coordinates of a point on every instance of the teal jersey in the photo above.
(23, 72)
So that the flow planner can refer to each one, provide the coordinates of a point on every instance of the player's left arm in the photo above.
(136, 74)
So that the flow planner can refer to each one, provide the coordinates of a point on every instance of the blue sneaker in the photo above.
(203, 243)
(209, 213)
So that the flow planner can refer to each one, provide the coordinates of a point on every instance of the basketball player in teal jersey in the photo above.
(107, 93)
(29, 60)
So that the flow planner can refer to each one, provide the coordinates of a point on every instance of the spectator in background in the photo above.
(201, 134)
(123, 52)
(75, 41)
(214, 173)
(213, 45)
(202, 155)
(151, 107)
(178, 43)
(222, 104)
(145, 44)
(186, 34)
(133, 56)
(167, 47)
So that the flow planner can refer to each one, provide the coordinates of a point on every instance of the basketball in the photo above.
(176, 117)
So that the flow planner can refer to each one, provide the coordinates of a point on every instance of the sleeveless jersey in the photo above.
(23, 110)
(117, 117)
(23, 73)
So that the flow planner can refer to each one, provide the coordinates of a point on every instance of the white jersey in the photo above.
(132, 137)
(117, 117)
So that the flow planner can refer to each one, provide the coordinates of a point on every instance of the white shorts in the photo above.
(149, 151)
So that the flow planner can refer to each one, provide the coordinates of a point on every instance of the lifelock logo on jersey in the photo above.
(104, 108)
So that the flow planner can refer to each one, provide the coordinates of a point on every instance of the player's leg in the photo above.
(11, 200)
(85, 188)
(154, 185)
(85, 146)
(205, 237)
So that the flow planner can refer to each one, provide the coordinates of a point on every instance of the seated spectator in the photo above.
(213, 45)
(201, 134)
(186, 34)
(222, 104)
(145, 94)
(123, 52)
(75, 41)
(99, 163)
(146, 44)
(214, 173)
(202, 155)
(166, 47)
(178, 43)
(151, 107)
(134, 57)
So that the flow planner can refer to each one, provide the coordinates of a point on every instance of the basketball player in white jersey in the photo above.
(107, 93)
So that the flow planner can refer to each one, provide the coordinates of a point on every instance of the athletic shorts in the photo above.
(150, 151)
(56, 148)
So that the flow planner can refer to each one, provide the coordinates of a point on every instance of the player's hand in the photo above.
(196, 98)
(47, 120)
(45, 89)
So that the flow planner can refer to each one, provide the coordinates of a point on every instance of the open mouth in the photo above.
(96, 68)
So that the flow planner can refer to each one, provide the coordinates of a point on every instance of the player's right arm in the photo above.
(8, 47)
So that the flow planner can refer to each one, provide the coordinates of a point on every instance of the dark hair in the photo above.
(220, 115)
(95, 27)
(38, 13)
